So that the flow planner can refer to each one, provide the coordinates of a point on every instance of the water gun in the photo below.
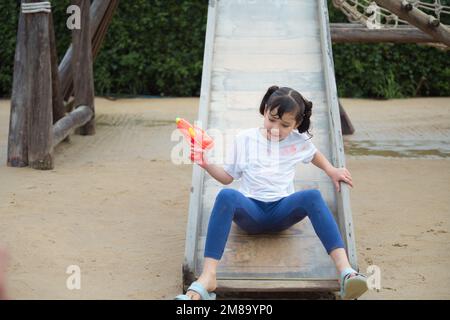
(195, 135)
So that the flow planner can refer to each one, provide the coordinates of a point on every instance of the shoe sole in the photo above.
(355, 288)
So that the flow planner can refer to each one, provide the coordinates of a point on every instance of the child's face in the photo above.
(277, 128)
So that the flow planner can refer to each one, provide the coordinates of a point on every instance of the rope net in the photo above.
(375, 17)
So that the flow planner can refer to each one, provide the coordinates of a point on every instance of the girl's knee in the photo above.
(311, 195)
(227, 194)
(225, 203)
(314, 194)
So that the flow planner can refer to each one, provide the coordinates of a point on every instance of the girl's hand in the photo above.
(198, 156)
(340, 174)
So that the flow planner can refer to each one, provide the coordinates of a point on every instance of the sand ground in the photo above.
(116, 206)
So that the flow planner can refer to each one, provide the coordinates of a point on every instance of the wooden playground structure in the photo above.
(43, 111)
(50, 101)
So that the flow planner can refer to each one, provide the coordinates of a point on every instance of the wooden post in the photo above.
(18, 125)
(419, 19)
(346, 124)
(40, 145)
(58, 103)
(83, 81)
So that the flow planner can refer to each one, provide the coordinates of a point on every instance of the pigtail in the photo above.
(266, 97)
(306, 122)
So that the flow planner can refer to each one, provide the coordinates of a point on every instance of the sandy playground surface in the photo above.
(117, 207)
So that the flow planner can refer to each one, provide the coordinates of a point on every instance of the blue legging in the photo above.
(254, 216)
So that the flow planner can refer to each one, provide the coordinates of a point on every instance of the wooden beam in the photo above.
(358, 33)
(18, 123)
(40, 146)
(103, 28)
(97, 12)
(416, 17)
(194, 218)
(289, 295)
(256, 285)
(83, 78)
(344, 212)
(75, 119)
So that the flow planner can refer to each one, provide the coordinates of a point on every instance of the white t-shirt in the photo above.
(267, 168)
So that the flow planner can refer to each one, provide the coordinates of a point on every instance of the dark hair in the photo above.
(288, 100)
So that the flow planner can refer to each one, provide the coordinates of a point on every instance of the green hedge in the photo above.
(156, 48)
(151, 48)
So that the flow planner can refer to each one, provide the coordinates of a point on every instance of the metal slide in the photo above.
(251, 45)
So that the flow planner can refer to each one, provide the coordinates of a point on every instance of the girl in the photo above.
(266, 200)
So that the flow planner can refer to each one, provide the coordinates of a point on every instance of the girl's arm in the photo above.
(321, 162)
(215, 171)
(336, 174)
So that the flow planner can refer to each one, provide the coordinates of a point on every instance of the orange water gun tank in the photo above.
(194, 134)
